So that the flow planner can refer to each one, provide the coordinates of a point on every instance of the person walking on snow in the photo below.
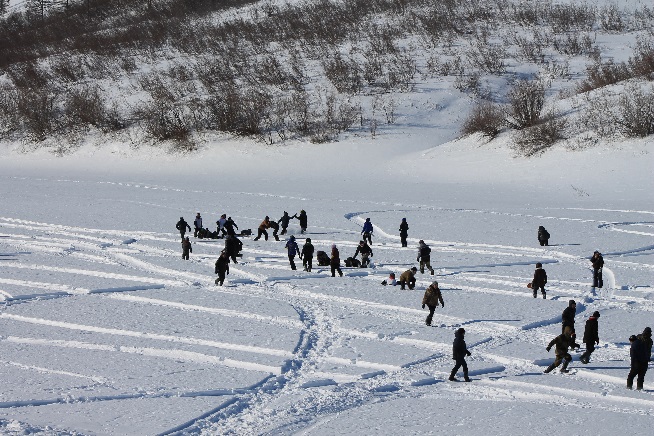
(265, 224)
(302, 217)
(233, 247)
(335, 262)
(459, 353)
(275, 227)
(591, 337)
(230, 225)
(539, 281)
(367, 230)
(431, 298)
(568, 316)
(598, 263)
(408, 278)
(284, 220)
(404, 232)
(366, 253)
(186, 248)
(543, 236)
(182, 226)
(562, 342)
(424, 256)
(221, 225)
(293, 249)
(197, 224)
(307, 255)
(641, 355)
(222, 267)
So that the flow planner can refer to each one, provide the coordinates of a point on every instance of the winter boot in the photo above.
(564, 368)
(549, 368)
(467, 379)
(534, 294)
(630, 386)
(544, 296)
(452, 378)
(639, 386)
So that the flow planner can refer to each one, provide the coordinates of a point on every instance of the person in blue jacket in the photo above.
(367, 231)
(293, 249)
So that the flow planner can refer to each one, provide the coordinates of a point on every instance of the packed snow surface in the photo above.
(104, 329)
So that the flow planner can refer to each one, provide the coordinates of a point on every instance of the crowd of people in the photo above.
(641, 344)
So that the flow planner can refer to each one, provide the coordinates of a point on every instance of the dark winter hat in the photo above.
(414, 269)
(267, 217)
(308, 239)
(539, 265)
(367, 219)
(421, 242)
(181, 217)
(572, 303)
(632, 338)
(403, 219)
(461, 330)
(292, 238)
(647, 331)
(596, 314)
(361, 242)
(392, 275)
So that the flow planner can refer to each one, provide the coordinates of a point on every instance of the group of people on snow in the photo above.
(641, 345)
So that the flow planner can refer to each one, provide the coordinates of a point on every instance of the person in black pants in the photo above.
(459, 353)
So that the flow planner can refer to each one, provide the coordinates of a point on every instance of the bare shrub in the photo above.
(9, 120)
(571, 17)
(28, 75)
(603, 74)
(38, 112)
(610, 18)
(540, 135)
(486, 118)
(526, 100)
(573, 44)
(636, 111)
(166, 123)
(642, 63)
(84, 107)
(599, 114)
(344, 74)
(68, 68)
(487, 57)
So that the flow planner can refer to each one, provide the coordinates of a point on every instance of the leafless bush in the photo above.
(571, 17)
(636, 111)
(573, 44)
(29, 75)
(540, 135)
(486, 118)
(344, 74)
(599, 75)
(487, 57)
(68, 68)
(163, 123)
(526, 100)
(9, 119)
(599, 113)
(38, 112)
(642, 63)
(610, 18)
(84, 107)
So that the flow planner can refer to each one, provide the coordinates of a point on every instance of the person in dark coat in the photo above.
(366, 253)
(265, 224)
(222, 267)
(367, 230)
(186, 248)
(424, 256)
(233, 247)
(404, 232)
(598, 263)
(302, 217)
(284, 220)
(591, 337)
(568, 316)
(335, 262)
(459, 353)
(307, 255)
(641, 355)
(408, 278)
(182, 225)
(539, 281)
(562, 342)
(431, 298)
(293, 249)
(543, 236)
(322, 258)
(197, 224)
(273, 225)
(230, 225)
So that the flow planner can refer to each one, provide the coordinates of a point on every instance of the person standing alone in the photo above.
(431, 298)
(404, 232)
(459, 353)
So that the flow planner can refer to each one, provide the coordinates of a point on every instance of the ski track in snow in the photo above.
(134, 257)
